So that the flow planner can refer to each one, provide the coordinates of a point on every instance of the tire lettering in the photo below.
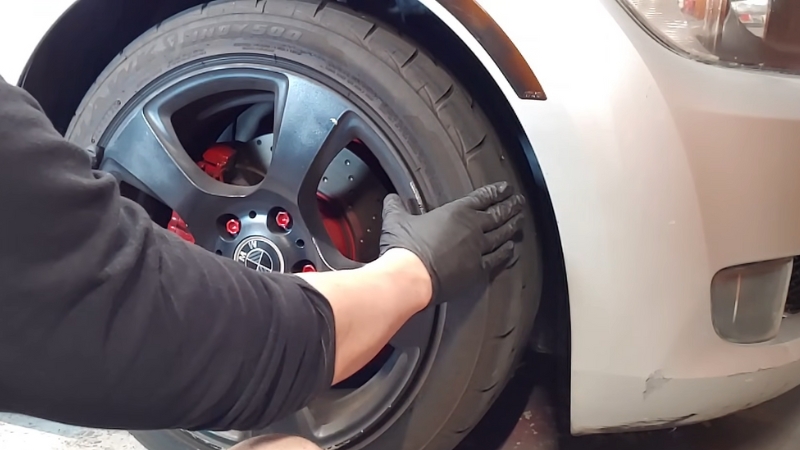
(292, 35)
(159, 45)
(170, 41)
(276, 31)
(231, 31)
(205, 33)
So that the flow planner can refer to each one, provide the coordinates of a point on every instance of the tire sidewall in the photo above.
(423, 141)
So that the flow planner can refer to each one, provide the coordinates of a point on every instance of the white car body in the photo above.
(662, 171)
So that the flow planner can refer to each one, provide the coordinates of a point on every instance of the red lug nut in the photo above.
(233, 227)
(309, 268)
(179, 227)
(283, 219)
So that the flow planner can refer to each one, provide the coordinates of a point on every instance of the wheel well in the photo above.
(92, 32)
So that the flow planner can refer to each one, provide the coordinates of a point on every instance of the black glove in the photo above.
(463, 243)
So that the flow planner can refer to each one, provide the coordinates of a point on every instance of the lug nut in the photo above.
(309, 268)
(233, 227)
(283, 219)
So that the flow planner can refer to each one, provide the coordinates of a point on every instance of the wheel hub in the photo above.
(260, 251)
(260, 254)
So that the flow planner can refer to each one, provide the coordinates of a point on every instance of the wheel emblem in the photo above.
(260, 254)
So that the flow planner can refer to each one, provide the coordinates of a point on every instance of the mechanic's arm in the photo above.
(108, 320)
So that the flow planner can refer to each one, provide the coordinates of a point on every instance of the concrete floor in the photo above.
(512, 424)
(25, 433)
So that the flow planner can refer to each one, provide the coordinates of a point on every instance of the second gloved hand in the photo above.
(462, 243)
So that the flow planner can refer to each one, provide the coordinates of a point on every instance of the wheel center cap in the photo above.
(260, 254)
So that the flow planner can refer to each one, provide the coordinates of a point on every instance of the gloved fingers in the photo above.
(488, 195)
(497, 215)
(497, 260)
(495, 238)
(393, 204)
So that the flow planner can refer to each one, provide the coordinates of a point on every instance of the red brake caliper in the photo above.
(216, 160)
(219, 158)
(338, 227)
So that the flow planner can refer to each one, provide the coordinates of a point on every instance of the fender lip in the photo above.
(499, 46)
(23, 74)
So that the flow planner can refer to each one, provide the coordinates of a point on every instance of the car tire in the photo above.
(444, 139)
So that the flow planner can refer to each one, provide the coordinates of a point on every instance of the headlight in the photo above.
(751, 33)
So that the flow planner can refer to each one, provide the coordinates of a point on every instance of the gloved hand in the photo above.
(463, 243)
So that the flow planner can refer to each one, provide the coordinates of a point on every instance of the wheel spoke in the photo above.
(234, 436)
(147, 154)
(312, 126)
(328, 257)
(301, 424)
(387, 383)
(415, 333)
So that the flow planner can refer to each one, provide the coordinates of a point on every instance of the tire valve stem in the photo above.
(308, 268)
(233, 226)
(283, 220)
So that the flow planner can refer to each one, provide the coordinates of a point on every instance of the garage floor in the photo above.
(512, 424)
(24, 433)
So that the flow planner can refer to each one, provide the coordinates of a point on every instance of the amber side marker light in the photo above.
(499, 47)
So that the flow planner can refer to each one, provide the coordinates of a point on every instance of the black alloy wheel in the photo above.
(284, 174)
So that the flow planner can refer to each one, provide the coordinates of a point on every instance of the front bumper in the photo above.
(662, 171)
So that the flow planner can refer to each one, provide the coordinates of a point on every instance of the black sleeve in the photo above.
(108, 320)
